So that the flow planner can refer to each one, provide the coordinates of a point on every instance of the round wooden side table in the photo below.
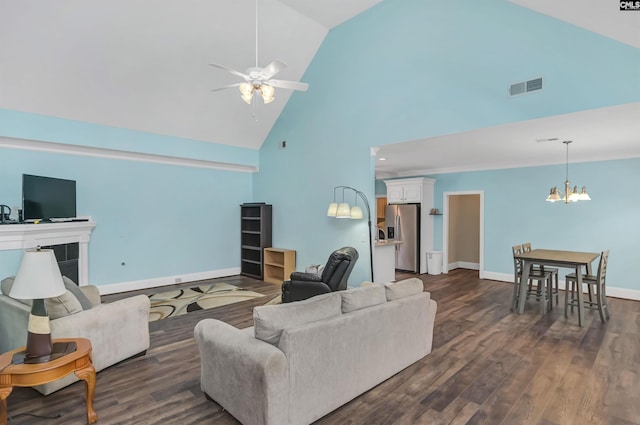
(18, 374)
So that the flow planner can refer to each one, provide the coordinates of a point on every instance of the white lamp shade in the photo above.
(247, 98)
(246, 88)
(584, 196)
(38, 276)
(344, 210)
(553, 195)
(268, 93)
(574, 196)
(356, 212)
(332, 210)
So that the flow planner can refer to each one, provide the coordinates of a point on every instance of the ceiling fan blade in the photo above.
(272, 69)
(293, 85)
(233, 71)
(227, 87)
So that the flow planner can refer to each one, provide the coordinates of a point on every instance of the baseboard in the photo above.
(612, 291)
(114, 288)
(464, 265)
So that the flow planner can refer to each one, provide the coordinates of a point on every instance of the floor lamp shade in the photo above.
(38, 278)
(344, 210)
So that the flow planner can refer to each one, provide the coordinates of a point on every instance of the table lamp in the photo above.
(38, 278)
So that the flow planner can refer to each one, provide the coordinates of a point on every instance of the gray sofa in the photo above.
(304, 359)
(117, 330)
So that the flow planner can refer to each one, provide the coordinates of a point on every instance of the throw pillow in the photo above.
(57, 307)
(362, 297)
(64, 305)
(270, 320)
(5, 287)
(77, 292)
(6, 284)
(404, 288)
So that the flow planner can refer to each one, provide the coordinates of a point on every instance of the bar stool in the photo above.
(526, 247)
(596, 282)
(542, 289)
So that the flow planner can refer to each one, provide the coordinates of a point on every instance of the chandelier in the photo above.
(570, 195)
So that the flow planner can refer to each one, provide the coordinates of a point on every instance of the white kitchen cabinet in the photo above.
(404, 191)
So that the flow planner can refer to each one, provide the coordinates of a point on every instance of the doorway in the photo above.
(463, 231)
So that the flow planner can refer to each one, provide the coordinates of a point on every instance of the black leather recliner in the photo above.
(301, 286)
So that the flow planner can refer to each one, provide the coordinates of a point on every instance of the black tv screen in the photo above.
(47, 197)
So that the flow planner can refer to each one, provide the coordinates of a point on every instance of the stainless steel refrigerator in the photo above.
(403, 224)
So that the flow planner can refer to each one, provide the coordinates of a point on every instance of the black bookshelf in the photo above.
(255, 234)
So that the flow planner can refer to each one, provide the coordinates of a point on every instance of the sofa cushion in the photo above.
(362, 297)
(57, 307)
(270, 320)
(403, 288)
(77, 292)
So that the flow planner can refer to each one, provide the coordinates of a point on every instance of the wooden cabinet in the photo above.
(404, 191)
(381, 207)
(255, 234)
(278, 264)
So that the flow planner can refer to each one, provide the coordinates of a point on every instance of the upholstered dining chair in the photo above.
(301, 286)
(526, 247)
(542, 289)
(596, 282)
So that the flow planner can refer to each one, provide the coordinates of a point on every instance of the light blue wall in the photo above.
(515, 211)
(160, 220)
(44, 128)
(411, 69)
(405, 69)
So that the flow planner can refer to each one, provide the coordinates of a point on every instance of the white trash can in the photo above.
(434, 262)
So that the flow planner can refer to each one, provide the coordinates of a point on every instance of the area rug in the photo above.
(182, 301)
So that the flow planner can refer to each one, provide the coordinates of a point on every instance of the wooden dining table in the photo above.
(565, 259)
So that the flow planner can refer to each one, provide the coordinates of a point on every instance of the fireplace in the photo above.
(69, 241)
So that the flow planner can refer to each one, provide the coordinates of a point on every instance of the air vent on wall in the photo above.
(525, 87)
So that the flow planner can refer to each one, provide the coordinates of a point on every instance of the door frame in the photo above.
(445, 228)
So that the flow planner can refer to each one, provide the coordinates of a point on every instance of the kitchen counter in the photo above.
(384, 242)
(384, 260)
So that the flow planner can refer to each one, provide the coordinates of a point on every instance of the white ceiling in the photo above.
(144, 66)
(597, 134)
(600, 16)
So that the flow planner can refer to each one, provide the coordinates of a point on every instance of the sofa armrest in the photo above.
(14, 317)
(306, 277)
(117, 330)
(92, 293)
(246, 376)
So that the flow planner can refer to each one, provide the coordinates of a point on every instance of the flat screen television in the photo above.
(47, 197)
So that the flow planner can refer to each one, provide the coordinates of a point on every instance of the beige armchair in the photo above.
(117, 330)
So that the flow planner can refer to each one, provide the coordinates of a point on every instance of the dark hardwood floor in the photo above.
(488, 366)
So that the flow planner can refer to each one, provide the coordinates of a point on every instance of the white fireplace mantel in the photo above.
(25, 236)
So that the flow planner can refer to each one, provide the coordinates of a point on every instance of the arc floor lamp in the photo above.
(344, 210)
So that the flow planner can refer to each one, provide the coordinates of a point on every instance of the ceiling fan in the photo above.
(260, 79)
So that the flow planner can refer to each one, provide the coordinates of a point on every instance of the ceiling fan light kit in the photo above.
(570, 195)
(260, 79)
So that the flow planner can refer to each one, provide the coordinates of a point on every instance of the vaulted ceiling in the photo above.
(145, 65)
